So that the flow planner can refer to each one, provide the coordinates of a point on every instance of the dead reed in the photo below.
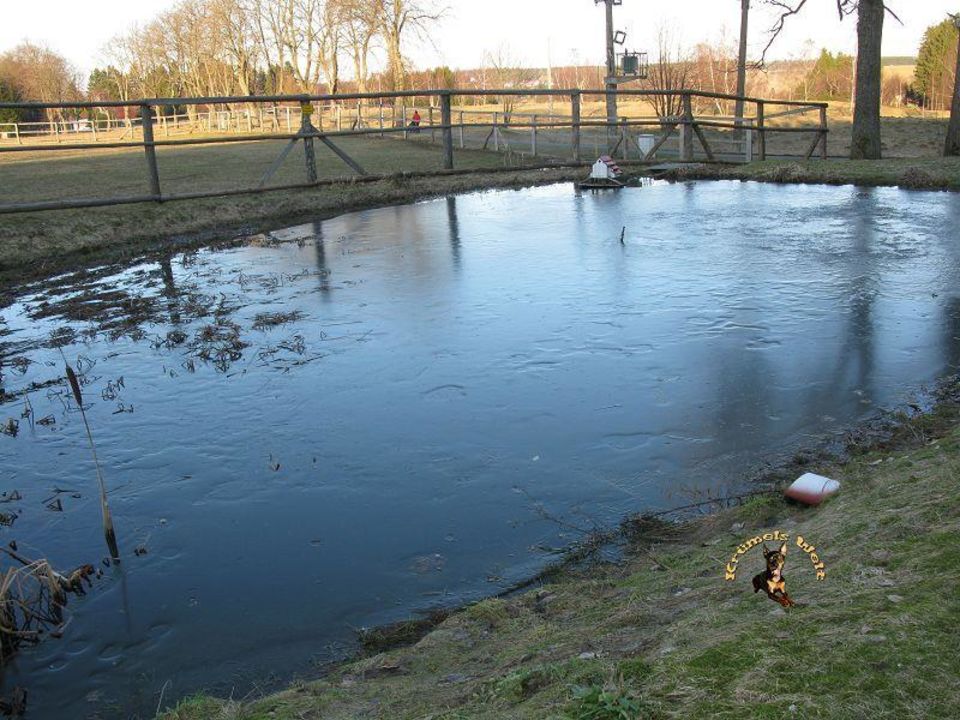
(32, 600)
(108, 531)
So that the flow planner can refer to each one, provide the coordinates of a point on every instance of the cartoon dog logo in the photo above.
(772, 580)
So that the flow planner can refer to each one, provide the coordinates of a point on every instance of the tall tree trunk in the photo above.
(952, 146)
(395, 62)
(865, 144)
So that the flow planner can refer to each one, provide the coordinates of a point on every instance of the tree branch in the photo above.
(788, 10)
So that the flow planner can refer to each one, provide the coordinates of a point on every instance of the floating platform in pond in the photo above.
(599, 184)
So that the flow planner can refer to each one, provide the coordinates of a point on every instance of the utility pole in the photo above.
(742, 61)
(635, 67)
(611, 80)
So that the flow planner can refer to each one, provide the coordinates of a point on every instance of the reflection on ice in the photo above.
(341, 423)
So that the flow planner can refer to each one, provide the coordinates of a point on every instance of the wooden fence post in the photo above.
(762, 147)
(575, 124)
(403, 119)
(16, 132)
(823, 133)
(687, 132)
(306, 128)
(339, 118)
(461, 130)
(446, 121)
(381, 118)
(430, 115)
(153, 175)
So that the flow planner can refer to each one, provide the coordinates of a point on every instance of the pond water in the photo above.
(340, 424)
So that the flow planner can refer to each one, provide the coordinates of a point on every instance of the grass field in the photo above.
(100, 173)
(661, 634)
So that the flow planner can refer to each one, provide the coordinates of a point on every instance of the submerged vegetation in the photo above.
(660, 633)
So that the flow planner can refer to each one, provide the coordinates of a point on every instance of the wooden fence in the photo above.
(303, 119)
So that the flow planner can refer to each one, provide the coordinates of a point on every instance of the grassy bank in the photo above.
(42, 243)
(914, 173)
(661, 634)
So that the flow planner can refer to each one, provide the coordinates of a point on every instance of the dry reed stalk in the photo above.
(32, 601)
(108, 531)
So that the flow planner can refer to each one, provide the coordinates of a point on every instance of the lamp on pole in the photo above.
(952, 145)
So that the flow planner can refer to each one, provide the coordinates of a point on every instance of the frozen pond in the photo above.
(456, 384)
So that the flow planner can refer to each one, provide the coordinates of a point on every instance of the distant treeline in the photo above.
(265, 47)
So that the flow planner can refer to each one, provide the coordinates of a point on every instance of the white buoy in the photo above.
(812, 489)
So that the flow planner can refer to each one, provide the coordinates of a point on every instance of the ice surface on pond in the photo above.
(341, 423)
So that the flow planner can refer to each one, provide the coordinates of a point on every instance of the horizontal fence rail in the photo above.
(524, 137)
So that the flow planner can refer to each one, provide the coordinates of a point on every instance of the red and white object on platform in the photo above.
(811, 489)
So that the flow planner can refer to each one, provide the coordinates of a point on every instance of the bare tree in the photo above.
(507, 73)
(670, 72)
(714, 69)
(40, 75)
(118, 60)
(360, 28)
(236, 34)
(396, 19)
(220, 47)
(268, 17)
(329, 40)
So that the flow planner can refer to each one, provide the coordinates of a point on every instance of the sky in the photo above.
(530, 31)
